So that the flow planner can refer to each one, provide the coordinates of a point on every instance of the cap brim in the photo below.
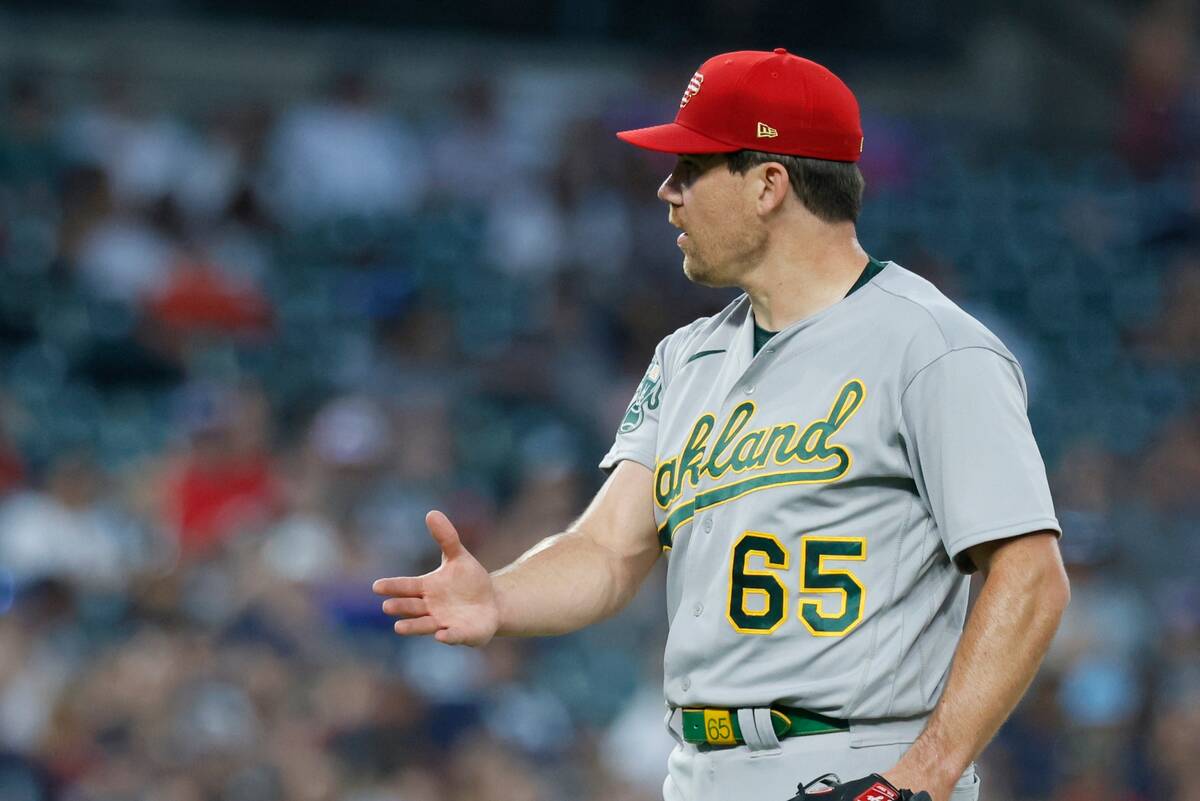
(674, 138)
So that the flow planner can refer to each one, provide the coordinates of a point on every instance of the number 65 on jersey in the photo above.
(758, 596)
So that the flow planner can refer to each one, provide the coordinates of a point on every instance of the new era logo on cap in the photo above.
(812, 113)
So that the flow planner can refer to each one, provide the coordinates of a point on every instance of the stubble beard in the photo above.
(741, 255)
(700, 272)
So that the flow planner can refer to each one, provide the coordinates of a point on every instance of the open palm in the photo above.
(455, 603)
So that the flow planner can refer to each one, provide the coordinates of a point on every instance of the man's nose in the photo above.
(669, 192)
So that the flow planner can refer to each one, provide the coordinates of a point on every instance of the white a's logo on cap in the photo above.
(693, 89)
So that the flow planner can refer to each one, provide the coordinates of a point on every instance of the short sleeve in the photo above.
(637, 435)
(972, 451)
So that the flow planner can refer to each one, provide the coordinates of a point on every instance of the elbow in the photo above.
(1055, 591)
(1032, 566)
(1042, 583)
(1065, 590)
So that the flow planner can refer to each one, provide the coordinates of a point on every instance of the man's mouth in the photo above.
(679, 240)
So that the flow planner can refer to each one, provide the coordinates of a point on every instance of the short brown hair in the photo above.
(832, 190)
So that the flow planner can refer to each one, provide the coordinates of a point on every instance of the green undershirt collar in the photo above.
(874, 267)
(761, 337)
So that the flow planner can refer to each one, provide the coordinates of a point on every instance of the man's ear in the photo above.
(773, 185)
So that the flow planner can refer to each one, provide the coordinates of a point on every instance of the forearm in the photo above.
(566, 582)
(1003, 643)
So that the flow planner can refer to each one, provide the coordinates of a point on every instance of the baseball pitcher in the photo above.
(822, 464)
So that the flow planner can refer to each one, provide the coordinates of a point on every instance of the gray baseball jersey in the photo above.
(816, 498)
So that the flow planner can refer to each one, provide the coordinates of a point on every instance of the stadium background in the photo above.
(273, 282)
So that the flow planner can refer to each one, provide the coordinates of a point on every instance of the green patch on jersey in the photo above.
(646, 396)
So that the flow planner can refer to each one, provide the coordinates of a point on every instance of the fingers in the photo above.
(406, 607)
(444, 533)
(427, 625)
(405, 586)
(405, 593)
(420, 625)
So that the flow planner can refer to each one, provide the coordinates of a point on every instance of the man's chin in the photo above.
(700, 273)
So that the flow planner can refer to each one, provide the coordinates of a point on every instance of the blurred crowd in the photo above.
(243, 349)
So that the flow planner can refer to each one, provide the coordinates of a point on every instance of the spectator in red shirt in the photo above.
(227, 482)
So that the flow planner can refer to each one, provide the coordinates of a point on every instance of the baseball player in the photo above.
(823, 463)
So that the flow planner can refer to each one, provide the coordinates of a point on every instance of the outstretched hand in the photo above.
(455, 603)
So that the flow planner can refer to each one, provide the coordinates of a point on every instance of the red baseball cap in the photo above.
(755, 100)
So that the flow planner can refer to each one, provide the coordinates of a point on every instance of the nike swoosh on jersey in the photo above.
(698, 354)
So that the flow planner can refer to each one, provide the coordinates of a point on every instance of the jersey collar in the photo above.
(873, 268)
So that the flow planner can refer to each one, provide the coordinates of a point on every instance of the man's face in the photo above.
(722, 235)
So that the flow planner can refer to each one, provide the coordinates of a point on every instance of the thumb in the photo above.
(444, 533)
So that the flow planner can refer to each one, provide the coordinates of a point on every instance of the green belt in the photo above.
(720, 726)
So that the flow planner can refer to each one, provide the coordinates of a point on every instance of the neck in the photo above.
(803, 273)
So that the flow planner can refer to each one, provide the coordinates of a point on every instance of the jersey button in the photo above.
(708, 524)
(770, 350)
(698, 610)
(749, 390)
(686, 684)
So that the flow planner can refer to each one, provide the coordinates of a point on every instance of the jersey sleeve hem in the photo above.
(1028, 526)
(611, 460)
